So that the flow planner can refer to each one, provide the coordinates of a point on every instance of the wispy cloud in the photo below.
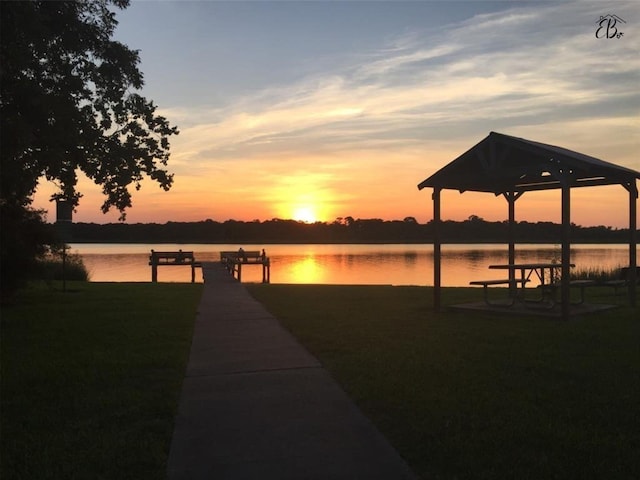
(507, 68)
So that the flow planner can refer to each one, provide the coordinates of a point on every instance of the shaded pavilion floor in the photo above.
(532, 308)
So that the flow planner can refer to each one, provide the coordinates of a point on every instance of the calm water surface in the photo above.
(342, 264)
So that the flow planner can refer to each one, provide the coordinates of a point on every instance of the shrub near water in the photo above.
(599, 275)
(52, 267)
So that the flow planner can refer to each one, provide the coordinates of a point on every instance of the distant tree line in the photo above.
(342, 230)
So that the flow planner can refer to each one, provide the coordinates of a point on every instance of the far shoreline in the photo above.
(254, 242)
(352, 232)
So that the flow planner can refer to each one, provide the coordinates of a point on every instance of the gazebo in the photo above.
(510, 166)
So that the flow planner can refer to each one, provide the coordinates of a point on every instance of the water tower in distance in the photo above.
(64, 211)
(64, 219)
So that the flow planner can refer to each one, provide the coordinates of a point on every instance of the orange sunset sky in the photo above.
(318, 110)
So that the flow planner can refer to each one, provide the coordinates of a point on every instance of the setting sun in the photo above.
(304, 214)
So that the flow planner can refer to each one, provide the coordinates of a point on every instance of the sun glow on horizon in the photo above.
(305, 214)
(304, 196)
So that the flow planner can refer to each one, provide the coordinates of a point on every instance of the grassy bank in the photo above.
(478, 395)
(91, 379)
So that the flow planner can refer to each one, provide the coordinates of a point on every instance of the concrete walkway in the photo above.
(256, 405)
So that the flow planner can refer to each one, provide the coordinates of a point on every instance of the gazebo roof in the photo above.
(502, 163)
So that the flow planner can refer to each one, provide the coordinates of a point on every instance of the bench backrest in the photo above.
(236, 254)
(176, 256)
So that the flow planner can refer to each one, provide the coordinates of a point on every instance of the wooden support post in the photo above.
(154, 267)
(566, 247)
(239, 272)
(193, 273)
(511, 199)
(64, 267)
(437, 254)
(633, 242)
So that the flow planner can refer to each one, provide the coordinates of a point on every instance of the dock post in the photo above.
(193, 273)
(154, 267)
(239, 272)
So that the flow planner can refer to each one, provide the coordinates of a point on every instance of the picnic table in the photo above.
(547, 273)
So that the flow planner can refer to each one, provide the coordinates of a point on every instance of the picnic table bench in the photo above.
(487, 283)
(167, 259)
(551, 288)
(624, 279)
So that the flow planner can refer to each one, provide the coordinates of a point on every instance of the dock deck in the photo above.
(256, 405)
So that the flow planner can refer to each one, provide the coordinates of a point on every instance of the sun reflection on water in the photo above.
(306, 270)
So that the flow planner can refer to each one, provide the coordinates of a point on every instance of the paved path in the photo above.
(256, 405)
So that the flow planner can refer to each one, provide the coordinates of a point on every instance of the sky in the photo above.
(315, 110)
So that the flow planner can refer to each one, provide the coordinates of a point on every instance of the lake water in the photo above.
(342, 264)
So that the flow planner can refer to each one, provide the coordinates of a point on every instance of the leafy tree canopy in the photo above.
(68, 103)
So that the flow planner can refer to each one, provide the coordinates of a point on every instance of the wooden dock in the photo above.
(233, 262)
(172, 259)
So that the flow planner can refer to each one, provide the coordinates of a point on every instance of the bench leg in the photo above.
(551, 294)
(485, 292)
(581, 301)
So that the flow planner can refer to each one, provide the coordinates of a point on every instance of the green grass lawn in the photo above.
(478, 395)
(91, 379)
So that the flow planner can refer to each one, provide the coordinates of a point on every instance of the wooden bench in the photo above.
(488, 283)
(167, 259)
(233, 261)
(242, 257)
(552, 288)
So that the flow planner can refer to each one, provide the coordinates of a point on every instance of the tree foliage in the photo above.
(69, 102)
(23, 240)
